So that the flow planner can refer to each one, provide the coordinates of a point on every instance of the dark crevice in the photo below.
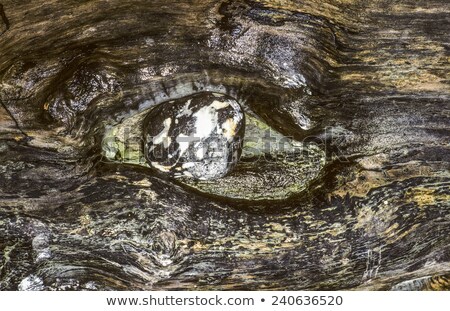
(16, 123)
(4, 19)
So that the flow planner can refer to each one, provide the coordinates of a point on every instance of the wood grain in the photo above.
(371, 78)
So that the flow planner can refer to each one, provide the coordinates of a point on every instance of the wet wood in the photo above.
(368, 81)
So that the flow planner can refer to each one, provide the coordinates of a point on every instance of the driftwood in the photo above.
(367, 81)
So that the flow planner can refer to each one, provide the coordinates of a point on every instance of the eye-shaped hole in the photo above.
(208, 142)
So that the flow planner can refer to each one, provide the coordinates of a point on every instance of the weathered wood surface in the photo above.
(377, 79)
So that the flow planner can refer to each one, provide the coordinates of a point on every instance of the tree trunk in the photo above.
(364, 81)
